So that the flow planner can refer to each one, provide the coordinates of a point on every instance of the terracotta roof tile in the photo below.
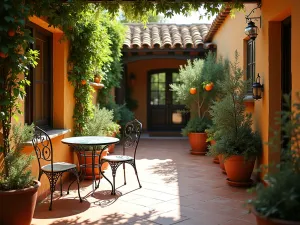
(166, 36)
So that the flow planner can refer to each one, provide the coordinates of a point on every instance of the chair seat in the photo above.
(117, 158)
(58, 167)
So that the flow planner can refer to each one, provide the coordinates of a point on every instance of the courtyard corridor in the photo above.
(177, 188)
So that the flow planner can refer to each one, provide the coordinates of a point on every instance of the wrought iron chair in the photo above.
(132, 133)
(53, 170)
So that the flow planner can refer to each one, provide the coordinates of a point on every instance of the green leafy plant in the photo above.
(280, 199)
(194, 75)
(17, 163)
(101, 124)
(196, 125)
(231, 124)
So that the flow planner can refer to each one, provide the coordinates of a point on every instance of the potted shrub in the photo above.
(18, 189)
(196, 90)
(235, 139)
(100, 125)
(278, 203)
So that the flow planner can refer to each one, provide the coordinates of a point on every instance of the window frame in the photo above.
(250, 62)
(30, 107)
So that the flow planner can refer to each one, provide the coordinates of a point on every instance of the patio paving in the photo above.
(178, 188)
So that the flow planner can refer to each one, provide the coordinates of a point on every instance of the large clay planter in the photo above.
(198, 143)
(260, 220)
(221, 161)
(17, 206)
(238, 170)
(89, 172)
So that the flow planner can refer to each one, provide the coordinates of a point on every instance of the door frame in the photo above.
(149, 73)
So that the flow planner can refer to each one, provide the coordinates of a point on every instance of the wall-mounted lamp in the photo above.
(132, 79)
(257, 88)
(251, 29)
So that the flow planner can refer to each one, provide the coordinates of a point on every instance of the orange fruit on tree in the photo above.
(209, 86)
(193, 91)
(3, 55)
(83, 82)
(11, 32)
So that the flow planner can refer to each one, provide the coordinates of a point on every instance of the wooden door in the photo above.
(163, 109)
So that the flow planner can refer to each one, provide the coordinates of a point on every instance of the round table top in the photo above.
(90, 140)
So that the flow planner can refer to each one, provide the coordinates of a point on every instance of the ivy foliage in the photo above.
(231, 124)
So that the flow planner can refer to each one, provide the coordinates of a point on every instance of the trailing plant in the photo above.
(17, 164)
(281, 198)
(15, 59)
(112, 70)
(231, 124)
(190, 90)
(91, 49)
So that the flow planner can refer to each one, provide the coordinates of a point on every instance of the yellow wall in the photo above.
(231, 37)
(139, 91)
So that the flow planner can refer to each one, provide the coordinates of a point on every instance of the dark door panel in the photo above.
(163, 110)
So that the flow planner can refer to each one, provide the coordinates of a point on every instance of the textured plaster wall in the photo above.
(231, 37)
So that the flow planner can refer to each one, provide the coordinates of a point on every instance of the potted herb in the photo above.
(235, 139)
(197, 89)
(18, 189)
(100, 125)
(278, 203)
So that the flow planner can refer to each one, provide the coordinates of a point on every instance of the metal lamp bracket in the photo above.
(256, 18)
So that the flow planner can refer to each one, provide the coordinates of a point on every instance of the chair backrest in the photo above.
(43, 147)
(131, 135)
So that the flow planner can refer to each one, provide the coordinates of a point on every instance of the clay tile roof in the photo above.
(218, 21)
(166, 36)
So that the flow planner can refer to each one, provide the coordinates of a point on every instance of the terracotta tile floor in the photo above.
(178, 188)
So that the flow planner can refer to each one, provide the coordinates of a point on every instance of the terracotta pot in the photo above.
(89, 172)
(17, 206)
(260, 220)
(239, 170)
(221, 161)
(198, 143)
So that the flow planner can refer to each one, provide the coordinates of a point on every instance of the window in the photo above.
(38, 102)
(250, 62)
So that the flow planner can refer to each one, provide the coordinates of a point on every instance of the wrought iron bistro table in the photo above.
(91, 143)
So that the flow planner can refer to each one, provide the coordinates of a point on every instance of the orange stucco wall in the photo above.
(231, 37)
(139, 91)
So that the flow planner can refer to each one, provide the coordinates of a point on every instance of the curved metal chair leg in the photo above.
(114, 166)
(124, 174)
(107, 179)
(53, 178)
(77, 177)
(136, 173)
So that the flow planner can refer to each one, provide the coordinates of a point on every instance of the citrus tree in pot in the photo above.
(196, 89)
(278, 203)
(235, 140)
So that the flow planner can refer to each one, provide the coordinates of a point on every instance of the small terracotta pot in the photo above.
(198, 143)
(221, 161)
(89, 171)
(239, 170)
(260, 220)
(17, 206)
